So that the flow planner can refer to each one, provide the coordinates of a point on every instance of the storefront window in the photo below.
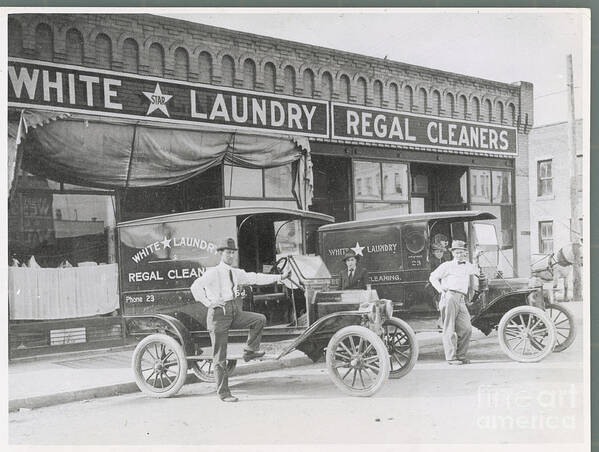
(502, 187)
(395, 182)
(368, 173)
(258, 183)
(480, 186)
(243, 182)
(59, 228)
(278, 182)
(377, 191)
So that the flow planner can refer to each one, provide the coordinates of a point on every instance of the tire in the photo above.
(402, 347)
(526, 328)
(363, 354)
(564, 325)
(159, 356)
(204, 370)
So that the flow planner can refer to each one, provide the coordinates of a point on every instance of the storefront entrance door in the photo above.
(438, 188)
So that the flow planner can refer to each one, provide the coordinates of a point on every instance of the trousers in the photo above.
(219, 321)
(457, 328)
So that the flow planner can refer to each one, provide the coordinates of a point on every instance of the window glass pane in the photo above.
(289, 237)
(379, 209)
(370, 174)
(278, 182)
(504, 225)
(480, 186)
(243, 182)
(62, 229)
(502, 187)
(545, 237)
(395, 182)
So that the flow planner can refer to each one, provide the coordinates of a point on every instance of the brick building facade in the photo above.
(363, 175)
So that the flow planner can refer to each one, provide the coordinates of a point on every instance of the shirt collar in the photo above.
(225, 266)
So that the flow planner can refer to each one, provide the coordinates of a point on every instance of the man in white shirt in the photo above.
(218, 290)
(452, 280)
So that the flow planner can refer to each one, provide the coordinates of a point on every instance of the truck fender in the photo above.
(174, 326)
(488, 318)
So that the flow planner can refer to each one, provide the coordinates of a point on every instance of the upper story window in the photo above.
(544, 178)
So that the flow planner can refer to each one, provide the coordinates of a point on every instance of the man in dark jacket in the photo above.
(353, 277)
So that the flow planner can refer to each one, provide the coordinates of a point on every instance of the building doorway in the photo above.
(332, 193)
(438, 188)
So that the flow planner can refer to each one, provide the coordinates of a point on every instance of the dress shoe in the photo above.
(249, 354)
(465, 361)
(229, 398)
(455, 362)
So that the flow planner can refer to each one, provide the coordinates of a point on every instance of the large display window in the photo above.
(491, 191)
(380, 189)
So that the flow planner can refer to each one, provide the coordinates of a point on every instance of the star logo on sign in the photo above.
(157, 100)
(358, 249)
(166, 243)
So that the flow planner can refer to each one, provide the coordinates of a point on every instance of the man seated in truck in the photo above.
(353, 277)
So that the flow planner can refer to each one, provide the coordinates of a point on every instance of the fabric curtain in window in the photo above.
(92, 152)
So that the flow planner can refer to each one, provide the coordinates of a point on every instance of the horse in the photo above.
(555, 266)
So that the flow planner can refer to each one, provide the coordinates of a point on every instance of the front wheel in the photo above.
(357, 361)
(564, 326)
(402, 346)
(160, 365)
(526, 334)
(204, 369)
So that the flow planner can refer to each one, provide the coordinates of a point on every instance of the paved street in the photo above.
(491, 400)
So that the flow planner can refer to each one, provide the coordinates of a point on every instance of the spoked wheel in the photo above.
(357, 361)
(402, 346)
(526, 334)
(564, 326)
(204, 369)
(160, 365)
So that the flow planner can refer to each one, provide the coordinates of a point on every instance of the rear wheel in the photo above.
(160, 365)
(526, 334)
(357, 361)
(564, 326)
(204, 369)
(402, 346)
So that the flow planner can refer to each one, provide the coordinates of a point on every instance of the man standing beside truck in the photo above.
(218, 290)
(452, 280)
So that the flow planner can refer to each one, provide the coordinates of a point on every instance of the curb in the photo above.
(117, 389)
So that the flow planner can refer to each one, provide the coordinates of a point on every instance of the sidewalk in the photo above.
(79, 376)
(45, 381)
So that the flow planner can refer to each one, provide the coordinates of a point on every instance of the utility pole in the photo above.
(574, 215)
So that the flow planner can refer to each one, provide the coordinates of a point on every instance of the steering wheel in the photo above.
(280, 264)
(278, 268)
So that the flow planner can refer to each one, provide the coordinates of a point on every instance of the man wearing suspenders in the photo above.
(217, 289)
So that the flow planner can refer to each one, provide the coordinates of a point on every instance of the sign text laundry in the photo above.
(70, 88)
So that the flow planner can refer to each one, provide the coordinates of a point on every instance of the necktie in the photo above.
(351, 274)
(232, 283)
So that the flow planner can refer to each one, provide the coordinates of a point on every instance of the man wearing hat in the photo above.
(218, 289)
(353, 277)
(452, 280)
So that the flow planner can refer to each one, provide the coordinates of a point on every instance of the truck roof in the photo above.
(452, 216)
(277, 213)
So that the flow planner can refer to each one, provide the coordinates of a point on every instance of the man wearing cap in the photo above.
(452, 280)
(218, 289)
(353, 277)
